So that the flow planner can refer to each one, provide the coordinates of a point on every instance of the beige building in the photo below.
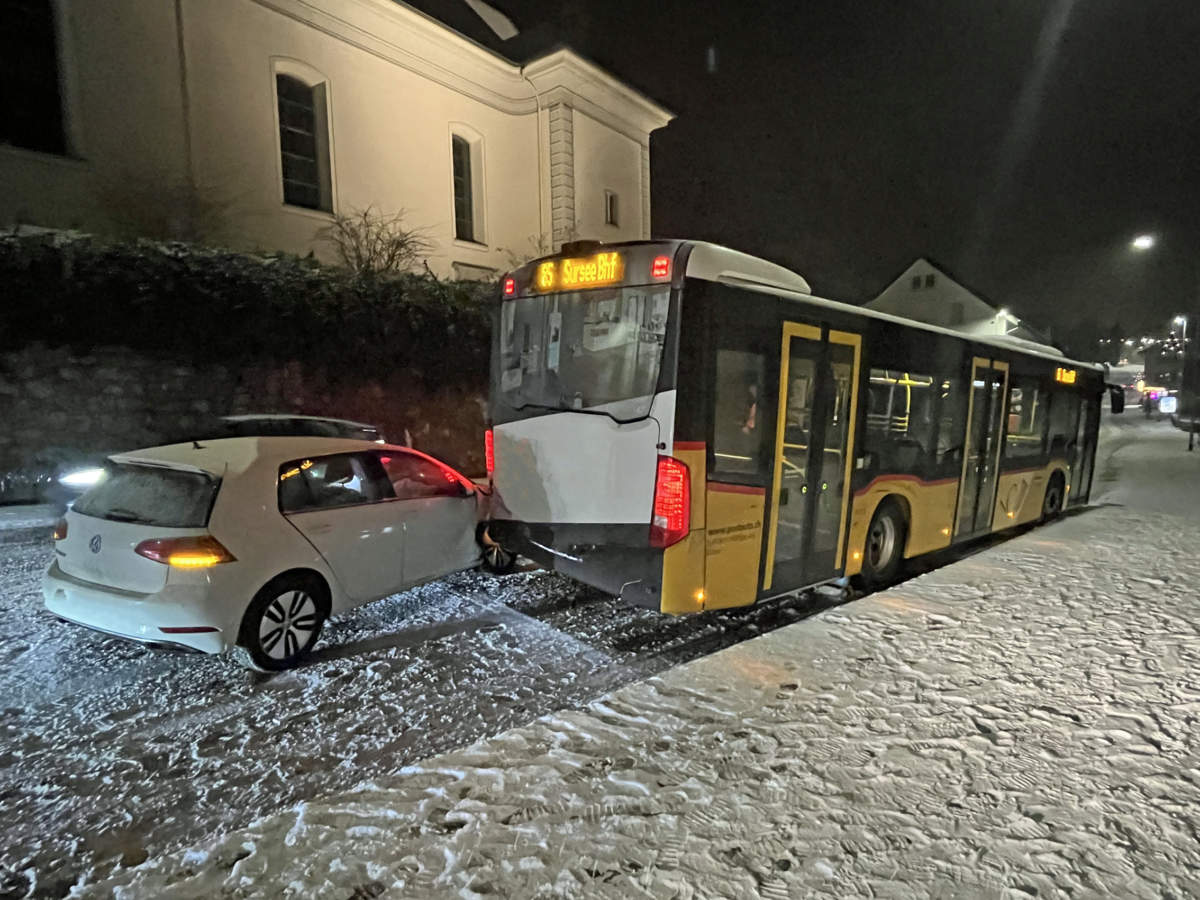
(249, 123)
(928, 294)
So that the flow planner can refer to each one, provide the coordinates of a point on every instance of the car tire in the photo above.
(283, 622)
(1052, 502)
(493, 557)
(883, 554)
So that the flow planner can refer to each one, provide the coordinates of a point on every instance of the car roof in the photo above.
(237, 454)
(287, 417)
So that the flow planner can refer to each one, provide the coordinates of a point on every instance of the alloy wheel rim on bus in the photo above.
(287, 624)
(881, 541)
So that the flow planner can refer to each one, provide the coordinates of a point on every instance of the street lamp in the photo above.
(1143, 242)
(1182, 320)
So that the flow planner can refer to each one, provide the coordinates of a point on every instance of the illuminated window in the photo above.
(31, 107)
(900, 418)
(610, 208)
(1027, 418)
(304, 142)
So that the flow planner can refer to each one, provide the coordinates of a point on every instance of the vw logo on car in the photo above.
(94, 543)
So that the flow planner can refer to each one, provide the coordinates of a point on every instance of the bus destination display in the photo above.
(594, 271)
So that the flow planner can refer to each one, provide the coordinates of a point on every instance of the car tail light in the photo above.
(672, 503)
(60, 530)
(198, 552)
(661, 267)
(489, 451)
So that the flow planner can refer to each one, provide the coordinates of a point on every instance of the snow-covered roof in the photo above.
(237, 454)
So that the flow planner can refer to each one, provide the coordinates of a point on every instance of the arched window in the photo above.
(304, 142)
(31, 108)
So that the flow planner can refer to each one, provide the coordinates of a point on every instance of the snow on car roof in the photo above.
(236, 454)
(285, 417)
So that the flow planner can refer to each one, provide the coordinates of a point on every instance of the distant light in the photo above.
(81, 478)
(1179, 320)
(1143, 242)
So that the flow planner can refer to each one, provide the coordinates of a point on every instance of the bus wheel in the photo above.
(1053, 503)
(884, 551)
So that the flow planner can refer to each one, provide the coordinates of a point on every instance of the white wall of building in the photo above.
(927, 294)
(397, 85)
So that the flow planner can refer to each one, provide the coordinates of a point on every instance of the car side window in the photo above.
(344, 479)
(413, 477)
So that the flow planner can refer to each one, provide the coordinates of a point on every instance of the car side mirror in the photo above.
(1116, 396)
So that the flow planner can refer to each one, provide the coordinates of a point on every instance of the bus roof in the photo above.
(713, 262)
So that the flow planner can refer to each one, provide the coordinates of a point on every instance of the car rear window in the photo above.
(150, 495)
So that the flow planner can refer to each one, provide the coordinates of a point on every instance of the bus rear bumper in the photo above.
(616, 559)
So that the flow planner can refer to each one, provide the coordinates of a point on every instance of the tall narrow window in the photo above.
(304, 143)
(464, 193)
(610, 208)
(31, 109)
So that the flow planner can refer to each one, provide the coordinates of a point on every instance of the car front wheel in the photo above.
(283, 622)
(495, 558)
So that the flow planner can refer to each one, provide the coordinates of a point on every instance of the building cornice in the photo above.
(406, 37)
(566, 77)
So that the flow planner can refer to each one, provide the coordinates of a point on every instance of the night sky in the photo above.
(1021, 144)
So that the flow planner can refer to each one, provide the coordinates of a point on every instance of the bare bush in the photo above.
(372, 243)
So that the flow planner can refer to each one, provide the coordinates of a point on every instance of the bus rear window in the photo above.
(597, 350)
(150, 495)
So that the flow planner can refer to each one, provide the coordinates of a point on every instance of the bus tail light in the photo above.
(672, 503)
(661, 267)
(489, 452)
(510, 287)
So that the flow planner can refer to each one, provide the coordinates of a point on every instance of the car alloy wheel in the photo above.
(287, 624)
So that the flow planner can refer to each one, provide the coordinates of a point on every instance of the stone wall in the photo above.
(58, 406)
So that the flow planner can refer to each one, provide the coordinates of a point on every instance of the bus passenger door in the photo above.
(981, 454)
(818, 402)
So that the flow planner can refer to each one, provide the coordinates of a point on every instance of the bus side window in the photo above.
(1027, 419)
(738, 426)
(952, 423)
(900, 419)
(1064, 422)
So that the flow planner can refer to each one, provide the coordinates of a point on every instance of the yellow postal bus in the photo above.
(687, 427)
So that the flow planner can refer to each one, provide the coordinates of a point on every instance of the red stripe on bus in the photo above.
(690, 445)
(1021, 471)
(726, 488)
(921, 481)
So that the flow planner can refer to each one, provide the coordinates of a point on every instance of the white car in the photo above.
(251, 543)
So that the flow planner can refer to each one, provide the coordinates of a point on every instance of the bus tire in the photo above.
(1052, 502)
(883, 553)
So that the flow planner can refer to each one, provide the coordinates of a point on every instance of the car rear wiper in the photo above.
(125, 515)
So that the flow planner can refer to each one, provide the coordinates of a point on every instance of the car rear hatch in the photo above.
(135, 501)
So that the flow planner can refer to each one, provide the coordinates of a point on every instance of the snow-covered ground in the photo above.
(1022, 722)
(111, 752)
